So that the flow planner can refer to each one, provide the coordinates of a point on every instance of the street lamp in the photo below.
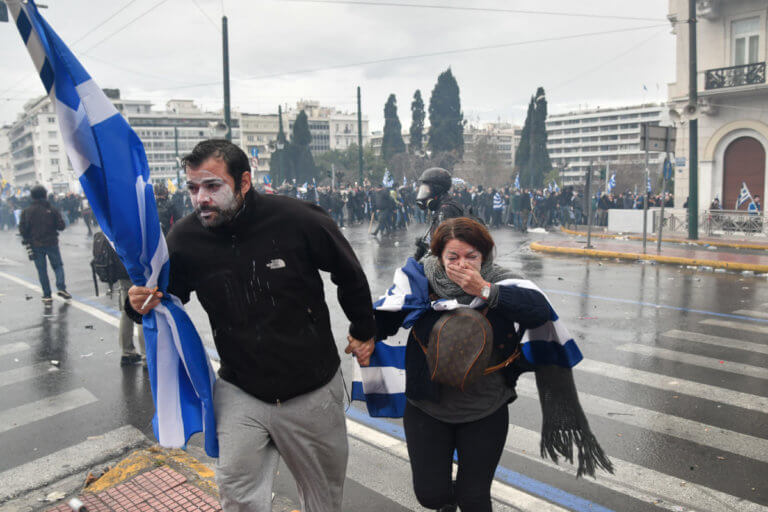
(218, 129)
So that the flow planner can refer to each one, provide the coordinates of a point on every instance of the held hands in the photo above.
(467, 277)
(361, 349)
(137, 295)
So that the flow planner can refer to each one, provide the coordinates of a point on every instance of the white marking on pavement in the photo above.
(748, 312)
(639, 482)
(502, 492)
(706, 435)
(736, 325)
(696, 360)
(45, 408)
(675, 385)
(12, 348)
(101, 315)
(718, 341)
(70, 460)
(16, 375)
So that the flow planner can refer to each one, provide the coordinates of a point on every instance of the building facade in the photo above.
(732, 106)
(600, 137)
(330, 128)
(6, 164)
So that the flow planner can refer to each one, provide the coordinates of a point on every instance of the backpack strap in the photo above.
(504, 363)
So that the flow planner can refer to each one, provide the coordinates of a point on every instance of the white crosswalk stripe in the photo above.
(16, 375)
(641, 483)
(41, 409)
(747, 312)
(695, 360)
(717, 341)
(675, 385)
(667, 424)
(743, 326)
(13, 348)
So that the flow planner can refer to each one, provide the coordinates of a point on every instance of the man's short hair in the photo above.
(38, 192)
(233, 156)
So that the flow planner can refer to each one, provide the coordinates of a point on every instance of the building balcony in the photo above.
(735, 76)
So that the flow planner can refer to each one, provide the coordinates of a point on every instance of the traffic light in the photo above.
(3, 11)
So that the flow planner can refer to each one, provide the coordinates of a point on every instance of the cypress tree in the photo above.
(417, 122)
(301, 155)
(392, 143)
(446, 130)
(540, 163)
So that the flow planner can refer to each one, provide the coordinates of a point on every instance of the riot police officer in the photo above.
(433, 196)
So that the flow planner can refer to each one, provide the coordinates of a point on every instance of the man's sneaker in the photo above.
(47, 301)
(64, 294)
(130, 359)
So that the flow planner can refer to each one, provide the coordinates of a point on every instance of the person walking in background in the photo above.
(39, 227)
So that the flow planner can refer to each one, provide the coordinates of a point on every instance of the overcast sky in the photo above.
(282, 51)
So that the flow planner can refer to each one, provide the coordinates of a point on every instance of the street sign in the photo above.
(255, 152)
(667, 169)
(680, 161)
(659, 139)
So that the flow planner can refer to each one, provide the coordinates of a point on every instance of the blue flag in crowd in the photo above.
(744, 195)
(114, 174)
(517, 181)
(382, 384)
(388, 181)
(648, 183)
(612, 182)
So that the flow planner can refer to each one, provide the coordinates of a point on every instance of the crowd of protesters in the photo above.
(387, 209)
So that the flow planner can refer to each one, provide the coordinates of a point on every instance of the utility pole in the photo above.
(646, 194)
(359, 137)
(225, 51)
(693, 125)
(589, 206)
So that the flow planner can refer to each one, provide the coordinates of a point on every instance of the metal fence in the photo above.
(716, 223)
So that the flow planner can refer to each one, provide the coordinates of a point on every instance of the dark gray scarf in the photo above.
(564, 423)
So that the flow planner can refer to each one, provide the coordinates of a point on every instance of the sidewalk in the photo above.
(735, 243)
(679, 255)
(152, 480)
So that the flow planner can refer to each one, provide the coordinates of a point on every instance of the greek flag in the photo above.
(744, 196)
(612, 182)
(388, 181)
(405, 180)
(114, 175)
(648, 183)
(551, 186)
(382, 384)
(517, 181)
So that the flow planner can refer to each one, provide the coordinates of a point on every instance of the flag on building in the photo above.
(113, 171)
(744, 196)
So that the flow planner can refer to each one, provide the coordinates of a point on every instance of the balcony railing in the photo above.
(735, 76)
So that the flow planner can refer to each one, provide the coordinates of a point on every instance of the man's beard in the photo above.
(224, 213)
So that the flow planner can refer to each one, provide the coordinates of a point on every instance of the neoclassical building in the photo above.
(732, 108)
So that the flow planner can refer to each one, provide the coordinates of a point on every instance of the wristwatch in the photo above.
(486, 291)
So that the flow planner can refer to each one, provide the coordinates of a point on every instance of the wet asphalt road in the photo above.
(674, 382)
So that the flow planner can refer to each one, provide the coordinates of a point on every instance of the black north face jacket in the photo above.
(258, 279)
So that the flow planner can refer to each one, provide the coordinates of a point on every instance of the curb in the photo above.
(596, 253)
(141, 461)
(715, 243)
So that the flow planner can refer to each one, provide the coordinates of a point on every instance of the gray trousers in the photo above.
(309, 432)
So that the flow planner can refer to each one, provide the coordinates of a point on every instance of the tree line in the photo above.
(441, 145)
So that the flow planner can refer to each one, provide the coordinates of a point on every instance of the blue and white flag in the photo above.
(388, 181)
(648, 183)
(382, 384)
(612, 182)
(110, 159)
(551, 186)
(744, 195)
(267, 179)
(517, 181)
(405, 180)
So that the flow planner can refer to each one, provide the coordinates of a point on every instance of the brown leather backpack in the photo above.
(460, 346)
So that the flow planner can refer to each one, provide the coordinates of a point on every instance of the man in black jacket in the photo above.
(253, 261)
(39, 227)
